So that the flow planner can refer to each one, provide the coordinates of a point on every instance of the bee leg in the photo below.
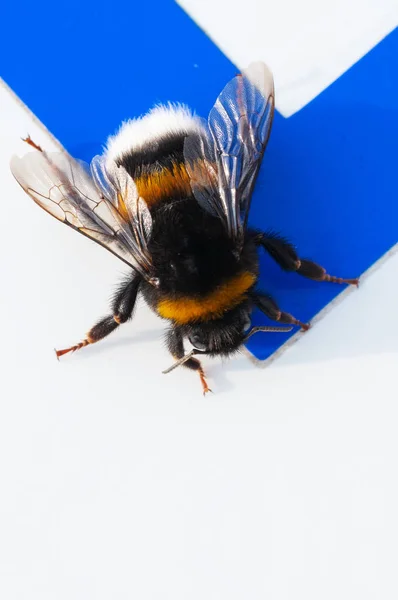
(122, 310)
(312, 270)
(29, 141)
(284, 253)
(195, 365)
(269, 307)
(280, 249)
(175, 344)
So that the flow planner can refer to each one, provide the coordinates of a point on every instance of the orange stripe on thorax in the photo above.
(212, 306)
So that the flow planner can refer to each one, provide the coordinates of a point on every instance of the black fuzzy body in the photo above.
(191, 251)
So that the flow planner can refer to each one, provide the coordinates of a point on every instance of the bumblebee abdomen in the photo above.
(151, 149)
(159, 183)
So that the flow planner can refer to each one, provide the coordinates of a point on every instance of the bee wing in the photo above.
(200, 163)
(223, 161)
(129, 209)
(112, 214)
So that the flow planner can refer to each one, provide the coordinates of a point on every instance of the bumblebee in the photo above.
(170, 197)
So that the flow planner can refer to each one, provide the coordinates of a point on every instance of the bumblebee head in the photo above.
(223, 336)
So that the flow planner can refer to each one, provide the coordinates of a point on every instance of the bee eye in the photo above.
(246, 324)
(197, 342)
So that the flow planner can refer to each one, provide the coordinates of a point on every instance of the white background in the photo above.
(307, 44)
(119, 482)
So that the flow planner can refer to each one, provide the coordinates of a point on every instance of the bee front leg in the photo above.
(122, 310)
(175, 345)
(284, 253)
(269, 307)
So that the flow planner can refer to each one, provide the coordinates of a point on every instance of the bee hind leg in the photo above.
(122, 310)
(284, 253)
(28, 140)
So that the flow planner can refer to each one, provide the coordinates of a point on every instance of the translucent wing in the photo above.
(105, 206)
(224, 160)
(201, 165)
(130, 210)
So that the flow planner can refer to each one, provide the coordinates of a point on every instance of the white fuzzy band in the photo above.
(161, 121)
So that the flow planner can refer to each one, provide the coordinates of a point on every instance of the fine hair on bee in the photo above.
(170, 197)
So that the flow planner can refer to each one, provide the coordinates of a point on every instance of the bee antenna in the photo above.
(182, 360)
(267, 328)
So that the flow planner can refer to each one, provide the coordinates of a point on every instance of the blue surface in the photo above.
(329, 182)
(329, 178)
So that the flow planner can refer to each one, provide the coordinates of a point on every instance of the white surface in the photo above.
(306, 44)
(119, 482)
